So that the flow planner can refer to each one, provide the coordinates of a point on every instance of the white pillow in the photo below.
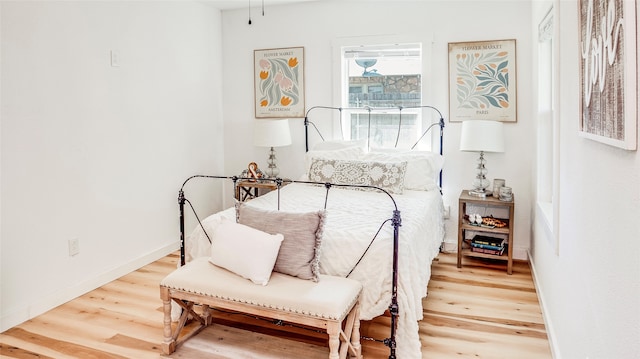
(339, 144)
(423, 167)
(245, 251)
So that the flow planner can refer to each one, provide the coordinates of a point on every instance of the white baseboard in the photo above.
(449, 247)
(520, 253)
(548, 324)
(31, 310)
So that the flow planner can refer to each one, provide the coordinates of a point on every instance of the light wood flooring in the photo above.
(477, 311)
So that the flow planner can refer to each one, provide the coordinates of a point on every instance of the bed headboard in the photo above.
(370, 110)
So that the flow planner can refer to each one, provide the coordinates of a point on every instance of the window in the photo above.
(387, 77)
(545, 109)
(547, 156)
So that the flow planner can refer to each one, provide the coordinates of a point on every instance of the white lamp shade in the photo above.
(481, 135)
(271, 133)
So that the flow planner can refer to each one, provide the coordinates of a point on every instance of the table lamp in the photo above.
(272, 133)
(481, 136)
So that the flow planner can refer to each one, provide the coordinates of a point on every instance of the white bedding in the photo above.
(353, 218)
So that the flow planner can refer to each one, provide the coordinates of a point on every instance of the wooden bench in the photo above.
(325, 304)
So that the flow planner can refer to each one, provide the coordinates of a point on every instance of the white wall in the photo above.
(590, 288)
(95, 152)
(317, 25)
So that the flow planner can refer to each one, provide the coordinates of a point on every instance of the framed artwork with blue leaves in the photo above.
(482, 81)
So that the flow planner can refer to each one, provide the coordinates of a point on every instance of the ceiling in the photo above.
(241, 4)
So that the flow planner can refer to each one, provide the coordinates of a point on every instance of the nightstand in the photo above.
(490, 205)
(246, 190)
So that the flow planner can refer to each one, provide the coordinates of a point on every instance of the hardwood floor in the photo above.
(477, 311)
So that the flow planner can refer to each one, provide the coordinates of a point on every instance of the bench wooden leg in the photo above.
(206, 315)
(169, 344)
(334, 330)
(355, 335)
(172, 337)
(350, 336)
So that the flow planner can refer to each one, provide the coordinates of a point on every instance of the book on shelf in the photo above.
(487, 246)
(488, 251)
(486, 240)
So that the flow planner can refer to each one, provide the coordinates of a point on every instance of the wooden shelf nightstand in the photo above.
(488, 204)
(246, 190)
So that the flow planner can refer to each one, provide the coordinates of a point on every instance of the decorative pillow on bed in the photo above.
(423, 167)
(300, 249)
(347, 153)
(387, 175)
(245, 251)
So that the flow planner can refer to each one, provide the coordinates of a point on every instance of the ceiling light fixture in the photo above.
(250, 10)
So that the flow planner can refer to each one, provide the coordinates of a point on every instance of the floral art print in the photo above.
(482, 84)
(279, 83)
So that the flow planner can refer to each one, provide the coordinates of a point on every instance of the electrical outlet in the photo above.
(74, 247)
(447, 212)
(115, 58)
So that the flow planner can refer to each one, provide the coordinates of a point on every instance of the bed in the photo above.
(358, 232)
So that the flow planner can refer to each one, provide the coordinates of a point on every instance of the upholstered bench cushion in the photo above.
(331, 297)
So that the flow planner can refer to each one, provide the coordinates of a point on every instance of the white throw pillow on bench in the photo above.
(245, 251)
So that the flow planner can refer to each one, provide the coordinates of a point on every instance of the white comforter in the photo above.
(353, 218)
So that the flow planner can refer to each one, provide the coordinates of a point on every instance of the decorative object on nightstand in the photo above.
(252, 172)
(481, 136)
(506, 194)
(497, 184)
(272, 133)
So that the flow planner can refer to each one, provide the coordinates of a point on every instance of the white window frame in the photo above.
(548, 139)
(339, 74)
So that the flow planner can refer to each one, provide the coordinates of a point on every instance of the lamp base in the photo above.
(273, 170)
(481, 183)
(477, 193)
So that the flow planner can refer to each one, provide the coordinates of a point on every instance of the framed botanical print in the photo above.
(482, 81)
(279, 83)
(608, 72)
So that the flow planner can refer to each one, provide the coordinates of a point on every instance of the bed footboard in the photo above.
(396, 222)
